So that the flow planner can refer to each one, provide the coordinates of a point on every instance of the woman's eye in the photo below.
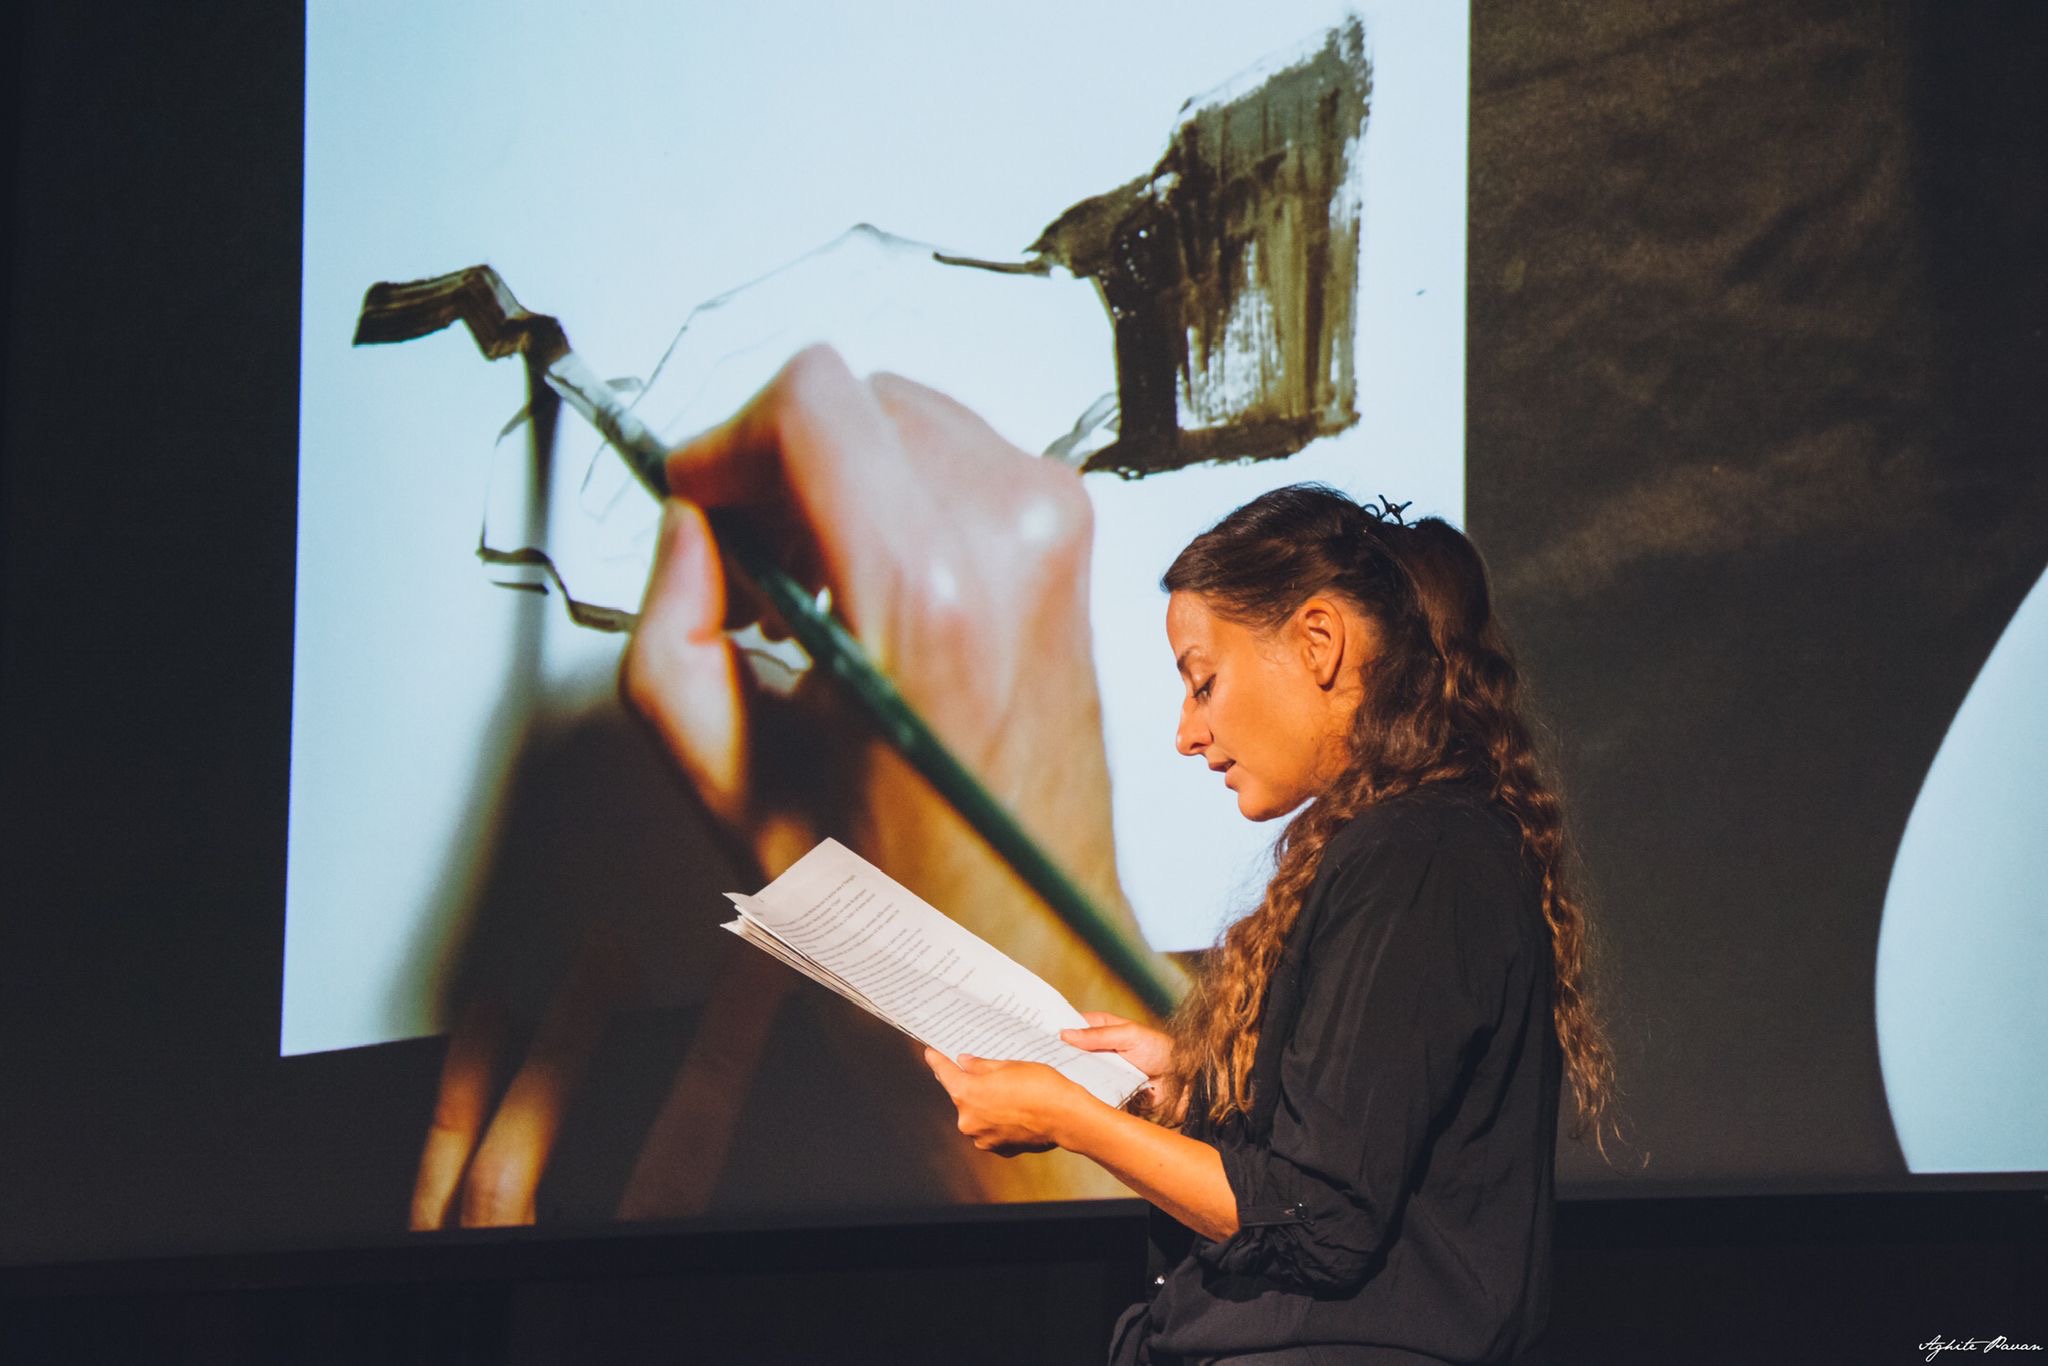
(1202, 690)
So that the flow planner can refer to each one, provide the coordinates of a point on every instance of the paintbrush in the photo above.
(479, 299)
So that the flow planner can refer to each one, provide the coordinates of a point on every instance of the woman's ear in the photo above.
(1320, 629)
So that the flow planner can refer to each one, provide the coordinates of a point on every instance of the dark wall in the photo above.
(145, 652)
(1756, 425)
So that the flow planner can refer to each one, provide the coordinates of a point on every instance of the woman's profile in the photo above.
(1352, 1119)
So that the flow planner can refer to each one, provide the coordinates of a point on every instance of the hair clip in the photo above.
(1387, 510)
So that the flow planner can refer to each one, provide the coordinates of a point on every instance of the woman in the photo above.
(1352, 1121)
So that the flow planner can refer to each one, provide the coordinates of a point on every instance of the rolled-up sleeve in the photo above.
(1401, 989)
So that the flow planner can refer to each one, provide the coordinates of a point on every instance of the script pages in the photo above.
(843, 922)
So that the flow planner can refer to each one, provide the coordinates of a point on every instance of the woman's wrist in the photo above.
(1181, 1175)
(1077, 1121)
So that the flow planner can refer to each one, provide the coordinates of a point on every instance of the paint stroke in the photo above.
(1230, 270)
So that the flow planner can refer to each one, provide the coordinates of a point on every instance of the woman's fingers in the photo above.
(1108, 1038)
(1015, 1149)
(951, 1072)
(682, 673)
(1144, 1047)
(1098, 1018)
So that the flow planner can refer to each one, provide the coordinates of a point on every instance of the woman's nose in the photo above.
(1191, 736)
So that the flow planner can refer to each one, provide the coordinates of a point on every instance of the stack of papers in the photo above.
(843, 922)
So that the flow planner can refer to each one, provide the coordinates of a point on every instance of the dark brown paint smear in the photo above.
(1248, 216)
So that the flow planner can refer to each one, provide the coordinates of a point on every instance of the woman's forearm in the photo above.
(1181, 1175)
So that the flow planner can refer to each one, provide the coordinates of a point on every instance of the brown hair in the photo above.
(1442, 703)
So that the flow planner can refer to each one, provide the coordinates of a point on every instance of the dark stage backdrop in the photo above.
(1755, 437)
(1757, 451)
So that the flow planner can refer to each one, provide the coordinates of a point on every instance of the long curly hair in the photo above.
(1442, 703)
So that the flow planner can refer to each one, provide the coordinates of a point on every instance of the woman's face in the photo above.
(1269, 710)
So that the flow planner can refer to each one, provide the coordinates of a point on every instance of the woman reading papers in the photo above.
(1353, 1118)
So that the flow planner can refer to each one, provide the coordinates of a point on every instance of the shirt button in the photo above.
(1158, 1280)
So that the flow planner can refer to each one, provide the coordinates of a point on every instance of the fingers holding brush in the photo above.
(959, 563)
(813, 445)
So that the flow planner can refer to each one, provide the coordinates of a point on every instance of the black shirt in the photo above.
(1394, 1180)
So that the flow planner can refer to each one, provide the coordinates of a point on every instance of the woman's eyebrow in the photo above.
(1181, 660)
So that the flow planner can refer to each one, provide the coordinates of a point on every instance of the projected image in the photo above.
(1130, 279)
(1961, 1025)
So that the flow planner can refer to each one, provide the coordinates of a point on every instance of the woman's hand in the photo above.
(1009, 1108)
(1027, 1107)
(1145, 1048)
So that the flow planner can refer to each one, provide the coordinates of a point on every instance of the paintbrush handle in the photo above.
(620, 425)
(833, 648)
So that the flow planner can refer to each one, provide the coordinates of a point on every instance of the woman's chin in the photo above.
(1254, 807)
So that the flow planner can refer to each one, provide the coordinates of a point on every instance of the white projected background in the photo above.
(621, 165)
(1962, 1023)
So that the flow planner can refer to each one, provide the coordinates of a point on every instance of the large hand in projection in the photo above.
(961, 563)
